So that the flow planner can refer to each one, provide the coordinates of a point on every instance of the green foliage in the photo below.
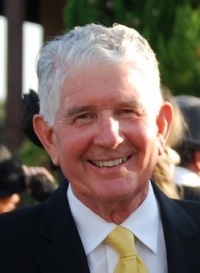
(28, 153)
(180, 55)
(31, 155)
(171, 27)
(1, 110)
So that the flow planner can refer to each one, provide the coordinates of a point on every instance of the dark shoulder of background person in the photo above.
(191, 193)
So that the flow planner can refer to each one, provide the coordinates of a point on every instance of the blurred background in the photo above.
(171, 27)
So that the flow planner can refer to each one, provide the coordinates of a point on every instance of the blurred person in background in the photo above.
(163, 174)
(11, 181)
(187, 173)
(30, 107)
(16, 178)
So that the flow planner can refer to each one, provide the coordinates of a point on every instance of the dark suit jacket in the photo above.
(44, 238)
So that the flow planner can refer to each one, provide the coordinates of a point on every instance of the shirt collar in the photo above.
(144, 222)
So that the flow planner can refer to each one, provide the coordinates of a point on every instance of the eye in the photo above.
(84, 118)
(127, 112)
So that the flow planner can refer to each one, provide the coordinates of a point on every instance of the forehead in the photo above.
(109, 83)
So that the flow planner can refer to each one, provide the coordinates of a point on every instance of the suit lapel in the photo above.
(182, 235)
(60, 248)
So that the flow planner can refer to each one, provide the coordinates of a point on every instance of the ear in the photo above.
(47, 136)
(164, 122)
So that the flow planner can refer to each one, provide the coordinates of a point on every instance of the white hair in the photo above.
(83, 45)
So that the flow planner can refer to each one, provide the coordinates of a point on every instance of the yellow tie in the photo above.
(122, 240)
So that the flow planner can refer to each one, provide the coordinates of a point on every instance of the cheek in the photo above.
(150, 142)
(73, 146)
(144, 136)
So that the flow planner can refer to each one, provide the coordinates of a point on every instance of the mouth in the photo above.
(109, 163)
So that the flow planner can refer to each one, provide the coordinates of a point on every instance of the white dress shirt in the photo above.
(145, 224)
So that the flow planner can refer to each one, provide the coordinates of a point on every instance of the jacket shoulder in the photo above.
(191, 206)
(21, 220)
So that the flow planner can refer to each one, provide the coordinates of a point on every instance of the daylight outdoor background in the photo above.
(171, 27)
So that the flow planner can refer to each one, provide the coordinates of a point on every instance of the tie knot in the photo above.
(122, 240)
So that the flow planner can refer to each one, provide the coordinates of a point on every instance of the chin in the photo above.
(114, 191)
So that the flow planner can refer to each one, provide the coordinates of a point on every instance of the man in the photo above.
(103, 121)
(187, 174)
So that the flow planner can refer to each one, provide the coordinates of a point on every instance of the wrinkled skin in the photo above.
(106, 137)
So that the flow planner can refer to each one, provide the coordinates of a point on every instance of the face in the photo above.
(106, 136)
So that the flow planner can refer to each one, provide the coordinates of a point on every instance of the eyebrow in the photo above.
(133, 104)
(76, 110)
(79, 109)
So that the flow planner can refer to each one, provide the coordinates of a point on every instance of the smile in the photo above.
(110, 163)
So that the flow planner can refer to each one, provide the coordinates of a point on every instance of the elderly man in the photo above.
(103, 121)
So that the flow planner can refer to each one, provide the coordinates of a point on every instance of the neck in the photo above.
(116, 211)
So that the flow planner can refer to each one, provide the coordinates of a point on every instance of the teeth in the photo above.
(110, 163)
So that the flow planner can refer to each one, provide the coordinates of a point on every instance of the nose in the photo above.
(108, 133)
